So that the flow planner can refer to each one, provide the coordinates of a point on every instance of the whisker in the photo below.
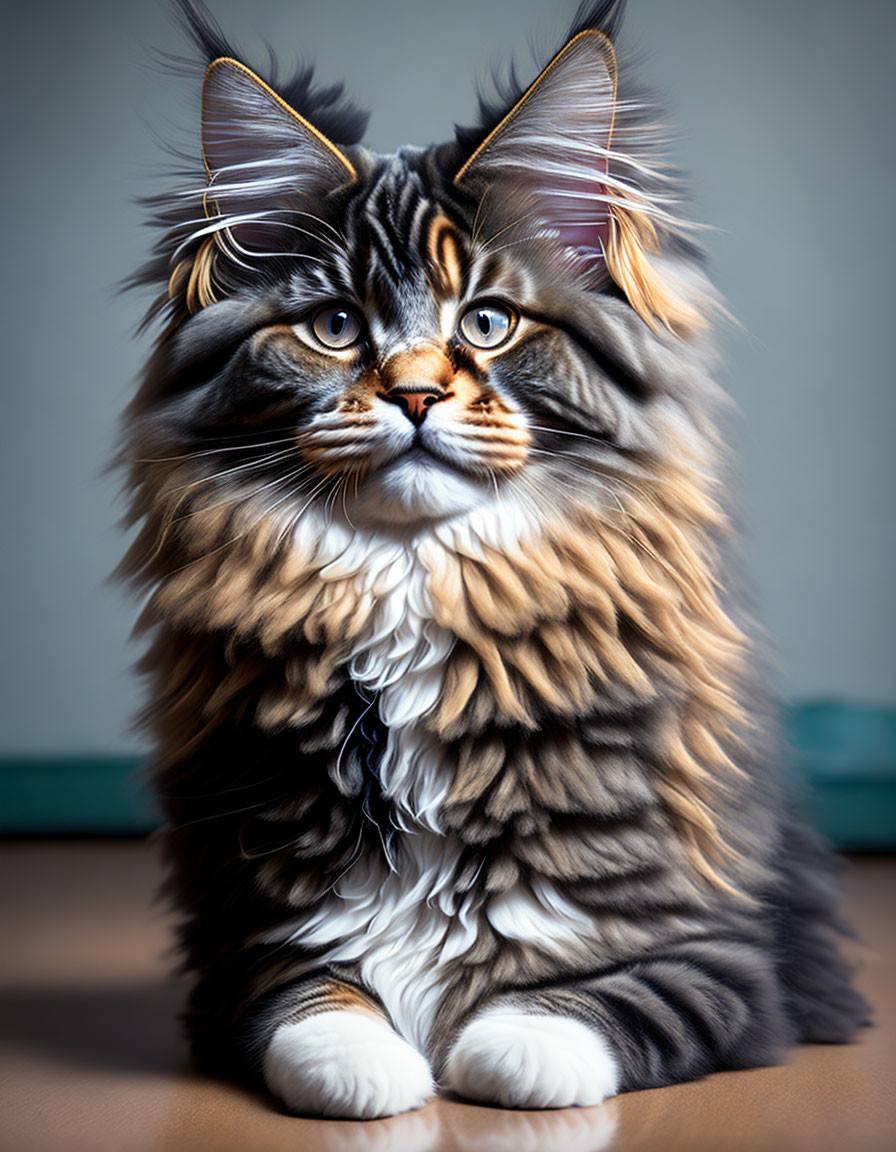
(330, 502)
(486, 244)
(231, 499)
(246, 434)
(251, 527)
(530, 489)
(592, 439)
(209, 452)
(320, 220)
(512, 243)
(298, 515)
(271, 458)
(477, 225)
(175, 520)
(345, 509)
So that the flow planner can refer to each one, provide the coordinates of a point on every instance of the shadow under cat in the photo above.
(132, 1029)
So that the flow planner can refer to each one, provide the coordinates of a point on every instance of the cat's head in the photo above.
(410, 335)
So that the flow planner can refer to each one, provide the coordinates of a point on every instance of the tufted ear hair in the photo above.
(263, 162)
(553, 145)
(551, 158)
(260, 155)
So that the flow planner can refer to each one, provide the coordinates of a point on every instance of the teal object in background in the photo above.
(75, 795)
(845, 755)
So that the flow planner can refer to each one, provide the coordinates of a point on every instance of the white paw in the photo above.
(348, 1064)
(522, 1061)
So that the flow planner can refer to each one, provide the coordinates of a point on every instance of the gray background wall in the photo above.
(785, 118)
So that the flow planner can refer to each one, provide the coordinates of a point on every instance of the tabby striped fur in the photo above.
(459, 715)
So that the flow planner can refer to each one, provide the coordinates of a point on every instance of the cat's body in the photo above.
(462, 749)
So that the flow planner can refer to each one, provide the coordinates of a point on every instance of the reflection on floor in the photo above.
(90, 1057)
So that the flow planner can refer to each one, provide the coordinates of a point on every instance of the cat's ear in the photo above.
(552, 146)
(259, 155)
(550, 160)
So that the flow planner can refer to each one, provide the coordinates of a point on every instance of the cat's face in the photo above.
(406, 361)
(407, 337)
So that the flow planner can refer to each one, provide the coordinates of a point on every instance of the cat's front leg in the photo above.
(332, 1052)
(703, 1006)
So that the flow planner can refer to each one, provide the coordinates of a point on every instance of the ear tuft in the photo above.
(193, 279)
(632, 240)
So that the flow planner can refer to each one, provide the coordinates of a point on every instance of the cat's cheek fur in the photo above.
(520, 1060)
(345, 1064)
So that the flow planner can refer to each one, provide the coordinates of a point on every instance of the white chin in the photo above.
(416, 487)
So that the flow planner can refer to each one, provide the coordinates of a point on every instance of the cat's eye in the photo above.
(486, 325)
(336, 327)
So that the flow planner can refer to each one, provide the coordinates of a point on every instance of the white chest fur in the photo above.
(403, 922)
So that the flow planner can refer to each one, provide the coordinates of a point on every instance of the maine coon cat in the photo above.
(468, 771)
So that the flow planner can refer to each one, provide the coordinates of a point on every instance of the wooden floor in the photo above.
(90, 1057)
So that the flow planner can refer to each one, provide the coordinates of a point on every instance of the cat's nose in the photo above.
(415, 402)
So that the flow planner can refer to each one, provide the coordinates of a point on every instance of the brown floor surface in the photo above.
(90, 1057)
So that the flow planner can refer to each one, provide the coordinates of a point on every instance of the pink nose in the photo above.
(415, 403)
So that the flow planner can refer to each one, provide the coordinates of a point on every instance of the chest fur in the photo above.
(402, 920)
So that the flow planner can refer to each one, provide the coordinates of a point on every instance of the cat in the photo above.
(464, 747)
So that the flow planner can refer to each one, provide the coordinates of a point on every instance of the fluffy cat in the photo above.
(468, 772)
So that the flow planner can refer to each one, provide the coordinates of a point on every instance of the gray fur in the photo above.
(269, 769)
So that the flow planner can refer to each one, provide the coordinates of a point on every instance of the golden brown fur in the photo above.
(621, 599)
